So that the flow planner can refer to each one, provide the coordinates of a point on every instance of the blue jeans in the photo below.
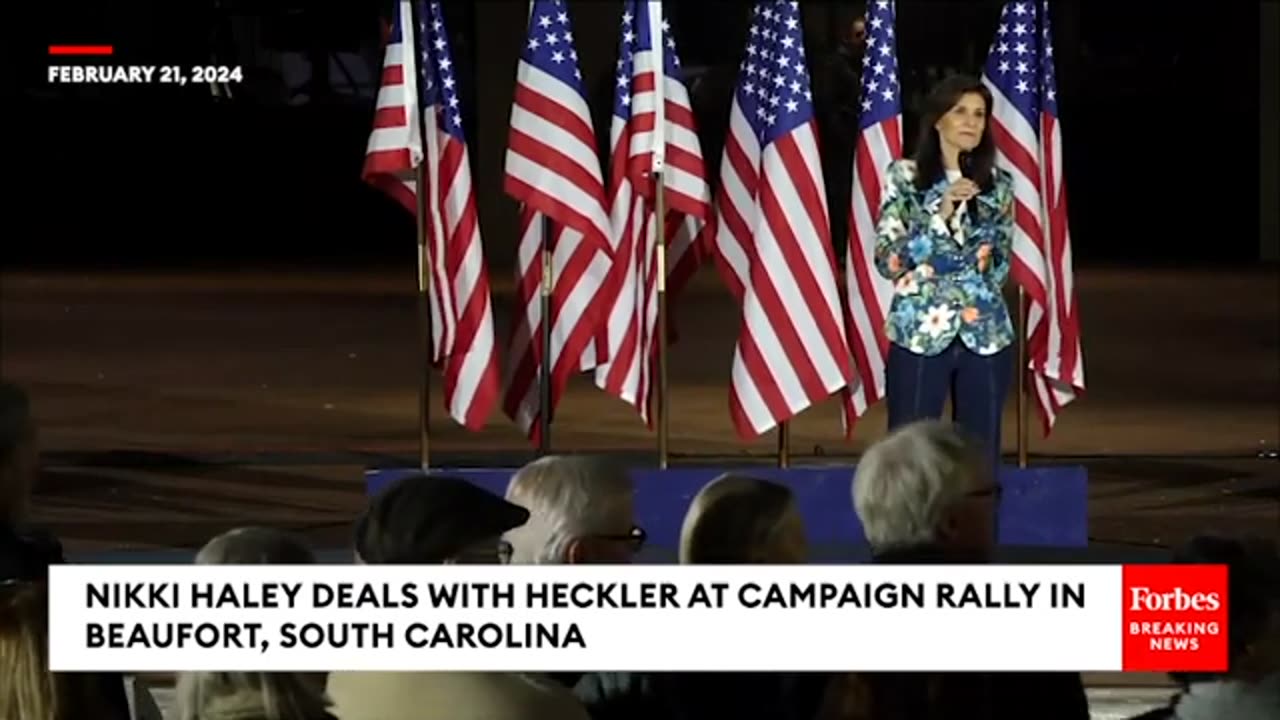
(917, 386)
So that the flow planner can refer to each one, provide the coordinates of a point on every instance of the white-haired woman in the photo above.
(253, 695)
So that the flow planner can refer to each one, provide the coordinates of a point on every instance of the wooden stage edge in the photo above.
(176, 404)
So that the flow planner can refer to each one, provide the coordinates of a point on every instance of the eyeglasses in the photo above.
(993, 491)
(636, 538)
(484, 554)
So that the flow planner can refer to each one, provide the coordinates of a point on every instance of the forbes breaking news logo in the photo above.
(1175, 618)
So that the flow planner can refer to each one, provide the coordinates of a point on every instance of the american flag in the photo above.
(879, 143)
(418, 123)
(773, 236)
(553, 170)
(634, 135)
(1020, 73)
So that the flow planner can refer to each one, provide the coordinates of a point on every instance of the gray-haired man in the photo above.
(581, 510)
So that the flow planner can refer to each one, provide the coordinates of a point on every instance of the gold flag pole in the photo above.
(659, 223)
(424, 325)
(425, 219)
(663, 389)
(547, 287)
(784, 444)
(1023, 420)
(544, 367)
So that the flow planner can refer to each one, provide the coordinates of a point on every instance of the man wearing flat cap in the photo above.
(435, 520)
(432, 520)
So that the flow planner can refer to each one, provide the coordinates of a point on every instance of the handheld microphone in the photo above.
(965, 161)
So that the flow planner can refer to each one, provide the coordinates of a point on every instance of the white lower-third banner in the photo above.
(636, 617)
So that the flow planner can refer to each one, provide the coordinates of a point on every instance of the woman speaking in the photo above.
(944, 239)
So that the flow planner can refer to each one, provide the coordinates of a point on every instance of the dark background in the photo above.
(1159, 103)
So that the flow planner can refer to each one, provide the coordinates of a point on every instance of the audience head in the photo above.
(29, 690)
(435, 519)
(273, 696)
(736, 519)
(1253, 607)
(258, 695)
(255, 546)
(926, 485)
(19, 452)
(581, 510)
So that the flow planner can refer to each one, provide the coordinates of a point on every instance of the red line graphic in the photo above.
(81, 50)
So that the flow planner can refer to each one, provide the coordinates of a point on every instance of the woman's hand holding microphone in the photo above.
(956, 193)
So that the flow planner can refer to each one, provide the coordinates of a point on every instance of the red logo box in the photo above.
(1175, 618)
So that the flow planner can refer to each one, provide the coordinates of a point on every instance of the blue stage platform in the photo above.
(1042, 507)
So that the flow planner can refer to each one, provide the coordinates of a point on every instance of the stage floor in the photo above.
(174, 405)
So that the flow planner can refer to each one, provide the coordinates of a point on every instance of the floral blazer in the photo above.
(947, 275)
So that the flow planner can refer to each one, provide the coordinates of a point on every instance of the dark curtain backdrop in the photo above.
(1160, 108)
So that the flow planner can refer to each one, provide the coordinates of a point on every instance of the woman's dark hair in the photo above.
(928, 156)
